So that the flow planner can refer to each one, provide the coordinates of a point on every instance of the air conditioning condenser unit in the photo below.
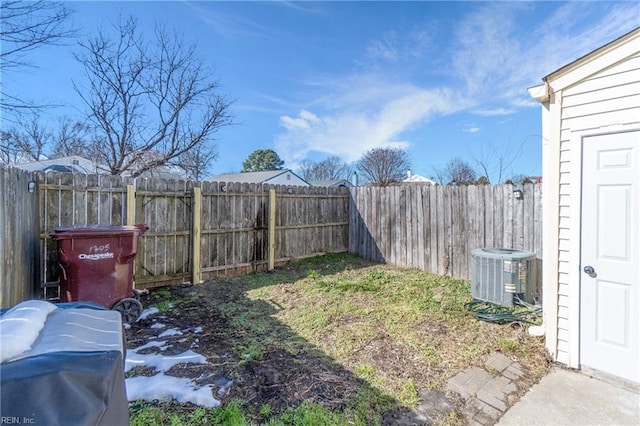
(502, 275)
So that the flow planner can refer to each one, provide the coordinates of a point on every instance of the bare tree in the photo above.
(384, 166)
(27, 25)
(71, 139)
(27, 139)
(331, 168)
(8, 153)
(495, 161)
(456, 171)
(148, 96)
(196, 162)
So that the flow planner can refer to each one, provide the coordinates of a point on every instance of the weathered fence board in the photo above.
(68, 199)
(164, 250)
(436, 228)
(310, 221)
(19, 274)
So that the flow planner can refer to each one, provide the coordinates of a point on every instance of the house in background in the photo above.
(591, 211)
(77, 164)
(332, 183)
(273, 177)
(418, 180)
(71, 164)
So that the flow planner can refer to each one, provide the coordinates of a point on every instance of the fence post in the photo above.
(272, 229)
(131, 205)
(196, 235)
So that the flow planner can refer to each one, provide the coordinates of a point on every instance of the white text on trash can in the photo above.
(95, 256)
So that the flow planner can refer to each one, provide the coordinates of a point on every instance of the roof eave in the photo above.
(540, 93)
(595, 61)
(585, 66)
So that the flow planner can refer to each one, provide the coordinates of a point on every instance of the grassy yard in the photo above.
(333, 340)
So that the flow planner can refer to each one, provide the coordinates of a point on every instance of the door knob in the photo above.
(590, 271)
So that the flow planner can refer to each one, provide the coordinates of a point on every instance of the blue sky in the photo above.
(314, 79)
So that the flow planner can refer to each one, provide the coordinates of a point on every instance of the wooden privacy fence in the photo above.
(197, 232)
(435, 228)
(18, 236)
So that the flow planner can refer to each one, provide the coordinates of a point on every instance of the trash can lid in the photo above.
(95, 230)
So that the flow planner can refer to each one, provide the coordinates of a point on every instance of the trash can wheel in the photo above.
(129, 308)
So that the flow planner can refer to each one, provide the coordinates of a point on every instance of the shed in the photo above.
(591, 211)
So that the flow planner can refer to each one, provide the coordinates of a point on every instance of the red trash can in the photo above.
(96, 265)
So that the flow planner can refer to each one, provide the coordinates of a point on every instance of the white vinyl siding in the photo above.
(610, 97)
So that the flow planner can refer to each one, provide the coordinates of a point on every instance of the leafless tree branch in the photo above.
(149, 97)
(331, 168)
(28, 25)
(456, 171)
(384, 166)
(495, 162)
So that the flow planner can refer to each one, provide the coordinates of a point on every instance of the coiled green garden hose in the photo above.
(491, 312)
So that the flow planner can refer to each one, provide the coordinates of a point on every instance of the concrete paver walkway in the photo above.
(561, 398)
(566, 398)
(486, 391)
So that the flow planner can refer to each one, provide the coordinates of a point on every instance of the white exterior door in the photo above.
(610, 256)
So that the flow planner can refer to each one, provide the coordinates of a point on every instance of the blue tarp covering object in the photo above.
(71, 372)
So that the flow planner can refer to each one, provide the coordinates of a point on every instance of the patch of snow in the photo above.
(162, 362)
(126, 326)
(20, 326)
(147, 312)
(152, 344)
(170, 332)
(165, 388)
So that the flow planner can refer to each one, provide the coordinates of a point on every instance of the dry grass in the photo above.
(344, 337)
(406, 324)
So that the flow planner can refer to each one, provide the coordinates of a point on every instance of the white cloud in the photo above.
(421, 41)
(498, 54)
(490, 112)
(361, 120)
(491, 60)
(484, 46)
(304, 121)
(402, 47)
(385, 48)
(471, 129)
(228, 25)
